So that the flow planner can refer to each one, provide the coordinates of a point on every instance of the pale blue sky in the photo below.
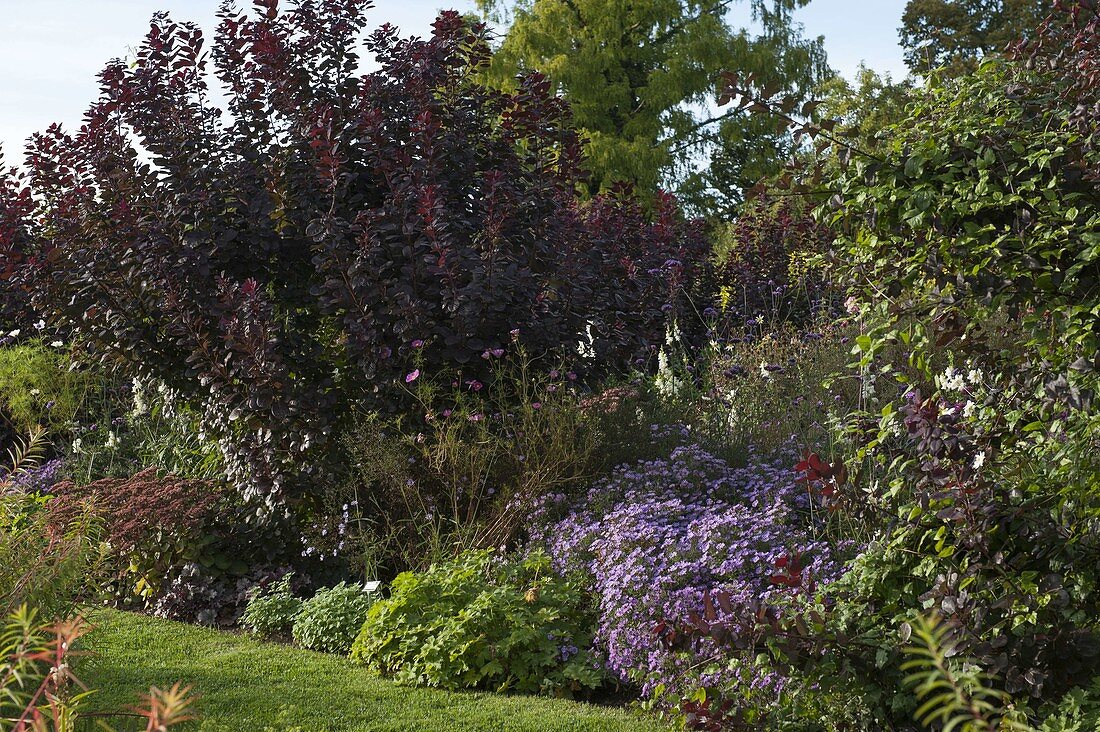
(51, 50)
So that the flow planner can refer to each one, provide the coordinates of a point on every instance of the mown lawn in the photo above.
(249, 685)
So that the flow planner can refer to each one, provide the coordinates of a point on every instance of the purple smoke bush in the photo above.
(655, 538)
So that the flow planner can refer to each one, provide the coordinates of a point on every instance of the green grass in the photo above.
(248, 685)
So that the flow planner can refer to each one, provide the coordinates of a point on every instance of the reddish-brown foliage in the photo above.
(136, 508)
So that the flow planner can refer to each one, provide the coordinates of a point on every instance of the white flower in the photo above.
(968, 409)
(78, 447)
(141, 406)
(40, 325)
(35, 392)
(974, 376)
(56, 344)
(112, 439)
(979, 461)
(951, 380)
(586, 348)
(672, 334)
(15, 333)
(666, 382)
(868, 390)
(764, 373)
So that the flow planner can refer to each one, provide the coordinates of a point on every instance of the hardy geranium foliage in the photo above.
(273, 261)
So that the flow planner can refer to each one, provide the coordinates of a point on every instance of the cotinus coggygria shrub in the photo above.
(273, 262)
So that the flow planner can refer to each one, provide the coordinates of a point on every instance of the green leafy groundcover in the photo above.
(248, 685)
(479, 621)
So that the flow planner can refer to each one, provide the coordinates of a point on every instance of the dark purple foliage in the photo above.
(196, 595)
(765, 275)
(274, 262)
(655, 271)
(16, 206)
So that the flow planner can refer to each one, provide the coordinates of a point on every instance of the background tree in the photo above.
(957, 33)
(865, 106)
(641, 80)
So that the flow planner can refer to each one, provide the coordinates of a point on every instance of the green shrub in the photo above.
(330, 620)
(272, 613)
(1077, 711)
(38, 387)
(953, 691)
(46, 568)
(478, 621)
(969, 246)
(139, 425)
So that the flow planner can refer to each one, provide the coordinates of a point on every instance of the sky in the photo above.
(51, 50)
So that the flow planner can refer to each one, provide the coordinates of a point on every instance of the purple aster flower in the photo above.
(655, 538)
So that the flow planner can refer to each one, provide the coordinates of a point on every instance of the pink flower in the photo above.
(476, 417)
(852, 305)
(536, 405)
(412, 376)
(418, 343)
(474, 384)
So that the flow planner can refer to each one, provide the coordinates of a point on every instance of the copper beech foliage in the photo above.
(273, 260)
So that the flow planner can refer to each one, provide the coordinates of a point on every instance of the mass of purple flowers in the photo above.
(40, 479)
(656, 537)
